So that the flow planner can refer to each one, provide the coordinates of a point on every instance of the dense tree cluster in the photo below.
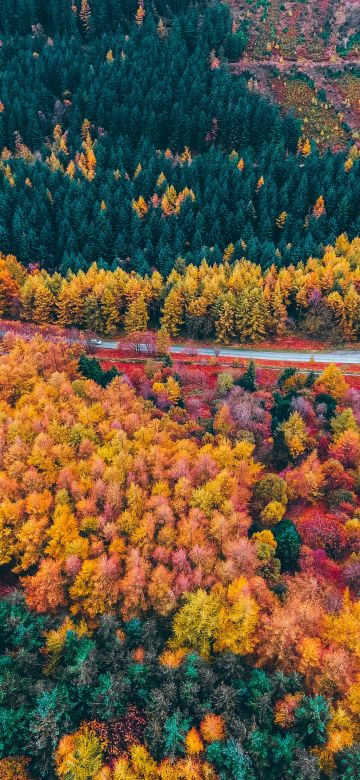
(190, 588)
(125, 140)
(179, 556)
(230, 300)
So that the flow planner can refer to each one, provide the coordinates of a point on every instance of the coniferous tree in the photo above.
(248, 379)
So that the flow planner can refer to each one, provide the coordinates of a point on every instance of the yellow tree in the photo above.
(70, 304)
(92, 318)
(94, 593)
(272, 513)
(228, 253)
(342, 627)
(185, 193)
(319, 207)
(193, 742)
(224, 323)
(304, 148)
(352, 313)
(27, 297)
(335, 303)
(140, 206)
(195, 625)
(278, 310)
(79, 756)
(223, 422)
(332, 381)
(63, 536)
(9, 291)
(237, 620)
(136, 315)
(173, 311)
(295, 434)
(70, 170)
(169, 201)
(86, 160)
(251, 314)
(109, 311)
(342, 245)
(173, 390)
(44, 305)
(163, 340)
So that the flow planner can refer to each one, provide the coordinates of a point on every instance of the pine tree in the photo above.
(248, 379)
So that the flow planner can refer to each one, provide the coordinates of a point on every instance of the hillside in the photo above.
(179, 525)
(127, 140)
(305, 55)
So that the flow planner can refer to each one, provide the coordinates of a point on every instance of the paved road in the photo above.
(339, 356)
(104, 344)
(351, 357)
(289, 357)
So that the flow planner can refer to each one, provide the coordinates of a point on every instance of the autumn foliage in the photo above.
(233, 299)
(154, 549)
(179, 535)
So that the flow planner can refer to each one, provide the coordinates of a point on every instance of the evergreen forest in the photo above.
(127, 141)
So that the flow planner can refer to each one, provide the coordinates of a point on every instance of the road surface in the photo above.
(288, 357)
(345, 357)
(336, 356)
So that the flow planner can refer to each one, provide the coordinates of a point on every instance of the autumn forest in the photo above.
(179, 534)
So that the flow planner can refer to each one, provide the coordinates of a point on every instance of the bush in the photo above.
(90, 368)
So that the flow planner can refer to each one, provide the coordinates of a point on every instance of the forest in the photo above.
(180, 593)
(233, 300)
(179, 535)
(107, 107)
